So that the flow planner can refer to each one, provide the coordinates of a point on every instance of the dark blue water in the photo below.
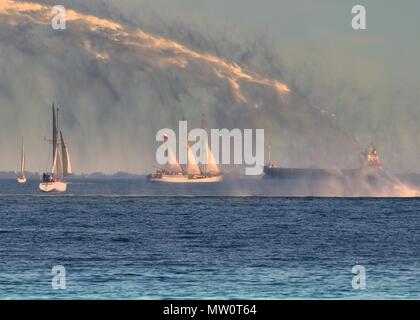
(135, 240)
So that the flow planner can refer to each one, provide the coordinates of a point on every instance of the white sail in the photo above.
(57, 168)
(173, 164)
(192, 167)
(54, 164)
(211, 167)
(59, 165)
(67, 168)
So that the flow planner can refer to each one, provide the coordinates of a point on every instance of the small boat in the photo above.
(191, 173)
(21, 179)
(54, 181)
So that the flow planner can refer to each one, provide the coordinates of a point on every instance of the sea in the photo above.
(131, 239)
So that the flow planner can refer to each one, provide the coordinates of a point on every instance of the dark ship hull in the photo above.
(317, 173)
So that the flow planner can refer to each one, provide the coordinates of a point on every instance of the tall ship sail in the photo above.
(211, 168)
(21, 177)
(54, 181)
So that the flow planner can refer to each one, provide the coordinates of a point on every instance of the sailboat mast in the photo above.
(184, 167)
(56, 126)
(54, 132)
(204, 166)
(57, 164)
(22, 162)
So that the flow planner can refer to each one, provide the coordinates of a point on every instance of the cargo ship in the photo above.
(371, 164)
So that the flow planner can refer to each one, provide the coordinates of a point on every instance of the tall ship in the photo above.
(192, 172)
(54, 181)
(21, 178)
(370, 162)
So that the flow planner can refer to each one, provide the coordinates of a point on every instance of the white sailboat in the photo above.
(192, 173)
(21, 179)
(54, 181)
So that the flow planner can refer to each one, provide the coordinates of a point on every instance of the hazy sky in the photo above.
(369, 79)
(391, 38)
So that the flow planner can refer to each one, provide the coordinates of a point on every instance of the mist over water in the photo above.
(233, 185)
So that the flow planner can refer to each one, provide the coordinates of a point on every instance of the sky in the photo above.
(348, 88)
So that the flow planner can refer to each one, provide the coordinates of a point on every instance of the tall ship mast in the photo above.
(54, 181)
